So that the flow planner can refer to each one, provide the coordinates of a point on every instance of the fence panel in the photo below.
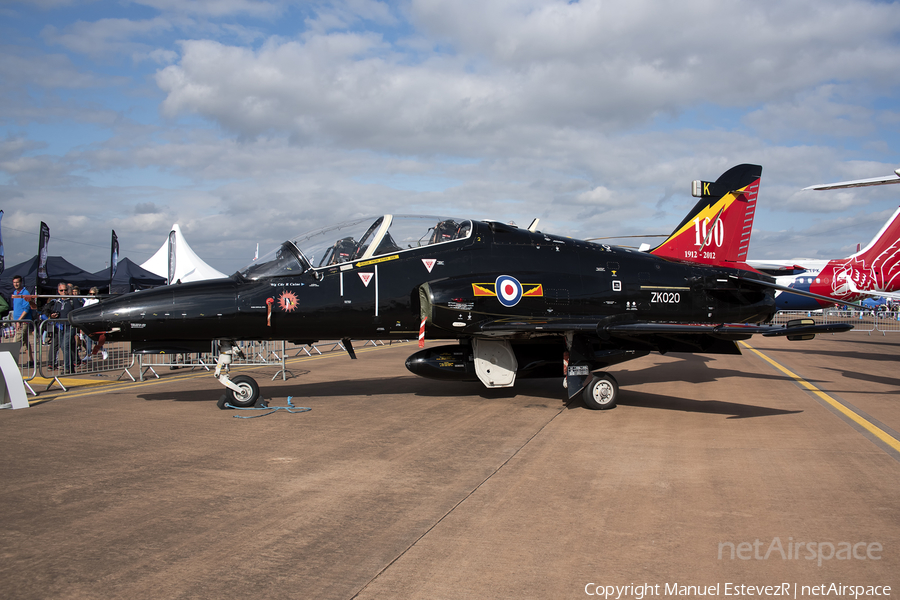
(264, 353)
(256, 353)
(65, 351)
(887, 321)
(863, 321)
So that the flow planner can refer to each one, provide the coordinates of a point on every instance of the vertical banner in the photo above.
(113, 258)
(171, 257)
(43, 256)
(1, 242)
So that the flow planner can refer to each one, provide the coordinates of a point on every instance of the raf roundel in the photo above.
(509, 290)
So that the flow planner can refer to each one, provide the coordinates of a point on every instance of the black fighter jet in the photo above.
(519, 303)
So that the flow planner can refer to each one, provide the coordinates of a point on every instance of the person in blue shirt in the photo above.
(22, 311)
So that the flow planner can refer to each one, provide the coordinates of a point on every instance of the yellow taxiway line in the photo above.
(879, 433)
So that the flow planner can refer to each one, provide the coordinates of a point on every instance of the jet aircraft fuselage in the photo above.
(483, 272)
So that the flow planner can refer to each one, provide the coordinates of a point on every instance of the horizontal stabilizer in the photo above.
(796, 292)
(776, 269)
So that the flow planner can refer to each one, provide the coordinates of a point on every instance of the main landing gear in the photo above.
(601, 392)
(243, 391)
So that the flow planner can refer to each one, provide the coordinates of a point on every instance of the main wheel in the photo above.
(248, 394)
(602, 392)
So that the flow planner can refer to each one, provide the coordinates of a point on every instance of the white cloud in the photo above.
(743, 51)
(279, 118)
(48, 4)
(162, 56)
(14, 147)
(347, 13)
(819, 111)
(600, 195)
(21, 69)
(215, 8)
(523, 72)
(106, 38)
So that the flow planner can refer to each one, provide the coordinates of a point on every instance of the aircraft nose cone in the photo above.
(191, 311)
(87, 318)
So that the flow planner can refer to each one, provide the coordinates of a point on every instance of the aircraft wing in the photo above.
(728, 331)
(895, 178)
(731, 330)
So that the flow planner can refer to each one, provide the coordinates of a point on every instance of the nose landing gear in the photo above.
(243, 391)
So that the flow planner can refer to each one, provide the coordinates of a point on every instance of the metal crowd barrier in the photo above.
(149, 363)
(865, 320)
(335, 345)
(65, 351)
(52, 348)
(255, 354)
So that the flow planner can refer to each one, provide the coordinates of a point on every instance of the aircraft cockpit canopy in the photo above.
(357, 240)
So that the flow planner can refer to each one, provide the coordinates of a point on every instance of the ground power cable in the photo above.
(264, 405)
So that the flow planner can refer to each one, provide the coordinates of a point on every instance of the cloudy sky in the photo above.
(251, 121)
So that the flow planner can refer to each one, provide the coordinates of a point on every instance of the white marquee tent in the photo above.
(188, 266)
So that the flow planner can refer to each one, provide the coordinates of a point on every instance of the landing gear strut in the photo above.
(243, 391)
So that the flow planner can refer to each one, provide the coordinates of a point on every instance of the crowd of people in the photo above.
(69, 348)
(890, 306)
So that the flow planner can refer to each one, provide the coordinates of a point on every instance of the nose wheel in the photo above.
(247, 392)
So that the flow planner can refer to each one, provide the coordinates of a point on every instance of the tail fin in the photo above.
(717, 230)
(880, 260)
